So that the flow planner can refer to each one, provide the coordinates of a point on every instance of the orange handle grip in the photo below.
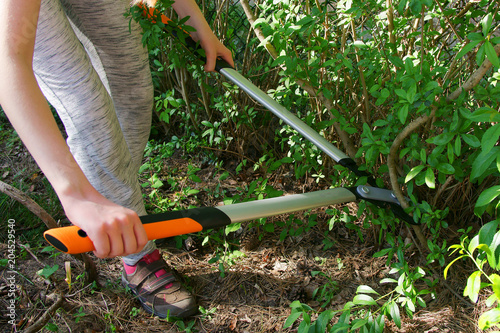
(150, 13)
(74, 240)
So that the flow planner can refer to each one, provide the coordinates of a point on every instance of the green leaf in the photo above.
(490, 138)
(401, 93)
(446, 168)
(467, 48)
(402, 6)
(412, 91)
(487, 232)
(473, 244)
(473, 286)
(403, 113)
(487, 196)
(357, 323)
(493, 252)
(430, 178)
(360, 44)
(441, 139)
(323, 320)
(388, 280)
(347, 63)
(305, 20)
(291, 319)
(363, 300)
(475, 36)
(486, 24)
(458, 146)
(483, 162)
(451, 263)
(471, 140)
(47, 271)
(489, 318)
(382, 253)
(349, 305)
(232, 227)
(485, 248)
(394, 313)
(366, 290)
(195, 179)
(414, 172)
(482, 114)
(491, 54)
(423, 155)
(495, 284)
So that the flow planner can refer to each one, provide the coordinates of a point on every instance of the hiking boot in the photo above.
(157, 288)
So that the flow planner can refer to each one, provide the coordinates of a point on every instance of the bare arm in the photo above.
(209, 42)
(114, 230)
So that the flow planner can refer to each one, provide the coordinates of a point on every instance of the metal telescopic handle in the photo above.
(282, 113)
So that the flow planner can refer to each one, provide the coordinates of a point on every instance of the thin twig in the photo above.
(40, 323)
(29, 203)
(32, 254)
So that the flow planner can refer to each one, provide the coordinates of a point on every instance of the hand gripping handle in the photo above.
(74, 240)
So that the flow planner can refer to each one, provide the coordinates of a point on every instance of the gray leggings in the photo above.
(91, 66)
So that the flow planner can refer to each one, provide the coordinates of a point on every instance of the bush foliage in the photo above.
(408, 88)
